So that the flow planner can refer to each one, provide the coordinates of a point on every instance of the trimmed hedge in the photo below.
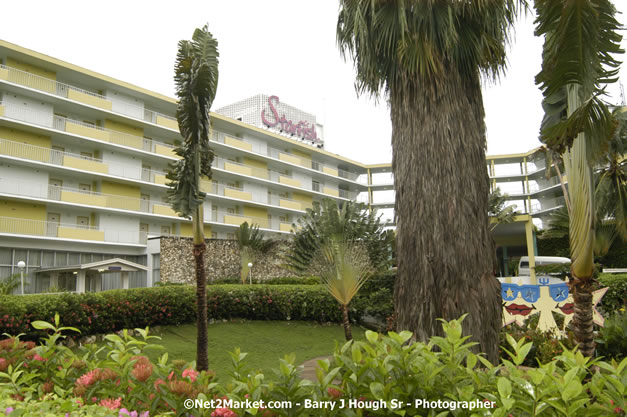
(109, 311)
(616, 296)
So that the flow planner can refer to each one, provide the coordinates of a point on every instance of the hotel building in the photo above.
(83, 159)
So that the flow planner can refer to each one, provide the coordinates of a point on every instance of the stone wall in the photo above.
(221, 260)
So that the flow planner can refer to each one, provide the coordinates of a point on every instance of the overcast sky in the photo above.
(284, 48)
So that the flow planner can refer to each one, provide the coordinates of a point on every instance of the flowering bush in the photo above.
(385, 374)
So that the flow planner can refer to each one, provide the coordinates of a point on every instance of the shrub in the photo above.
(612, 340)
(109, 311)
(545, 345)
(385, 374)
(615, 298)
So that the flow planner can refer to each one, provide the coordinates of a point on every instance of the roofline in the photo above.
(96, 264)
(84, 71)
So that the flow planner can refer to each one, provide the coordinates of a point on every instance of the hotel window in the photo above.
(230, 236)
(84, 188)
(165, 230)
(315, 185)
(214, 235)
(315, 165)
(86, 155)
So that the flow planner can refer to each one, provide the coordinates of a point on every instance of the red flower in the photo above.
(334, 393)
(111, 404)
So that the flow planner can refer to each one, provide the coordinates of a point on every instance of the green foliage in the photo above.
(376, 371)
(273, 281)
(546, 346)
(498, 212)
(250, 241)
(612, 340)
(580, 41)
(392, 43)
(350, 222)
(196, 79)
(108, 311)
(615, 298)
(7, 285)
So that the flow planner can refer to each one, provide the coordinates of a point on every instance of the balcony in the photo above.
(220, 189)
(75, 127)
(90, 98)
(24, 227)
(233, 219)
(279, 155)
(69, 160)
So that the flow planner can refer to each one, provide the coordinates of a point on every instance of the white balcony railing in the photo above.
(87, 97)
(18, 226)
(76, 127)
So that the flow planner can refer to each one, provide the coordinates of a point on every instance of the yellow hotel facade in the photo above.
(83, 159)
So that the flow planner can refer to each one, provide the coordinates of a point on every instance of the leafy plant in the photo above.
(612, 339)
(250, 240)
(328, 221)
(9, 284)
(343, 268)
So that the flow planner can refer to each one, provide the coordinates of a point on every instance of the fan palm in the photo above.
(427, 57)
(581, 37)
(196, 78)
(350, 221)
(249, 239)
(343, 267)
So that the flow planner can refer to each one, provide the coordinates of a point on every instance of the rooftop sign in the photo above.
(301, 129)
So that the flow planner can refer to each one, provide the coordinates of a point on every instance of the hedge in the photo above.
(616, 296)
(109, 311)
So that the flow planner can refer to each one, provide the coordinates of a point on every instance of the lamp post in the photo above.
(250, 272)
(21, 265)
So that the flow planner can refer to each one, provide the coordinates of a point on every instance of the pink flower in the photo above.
(171, 376)
(111, 404)
(192, 374)
(88, 378)
(223, 412)
(38, 358)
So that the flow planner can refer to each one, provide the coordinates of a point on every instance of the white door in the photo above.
(53, 224)
(54, 189)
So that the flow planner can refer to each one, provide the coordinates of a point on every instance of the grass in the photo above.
(264, 341)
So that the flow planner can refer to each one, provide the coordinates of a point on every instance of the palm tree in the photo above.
(196, 78)
(427, 58)
(249, 240)
(327, 222)
(343, 267)
(498, 212)
(580, 40)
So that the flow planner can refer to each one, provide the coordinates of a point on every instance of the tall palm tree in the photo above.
(196, 78)
(427, 58)
(581, 37)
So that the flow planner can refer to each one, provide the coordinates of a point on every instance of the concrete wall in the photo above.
(221, 261)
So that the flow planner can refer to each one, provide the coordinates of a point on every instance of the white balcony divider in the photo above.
(63, 90)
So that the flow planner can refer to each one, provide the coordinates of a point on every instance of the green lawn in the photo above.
(264, 341)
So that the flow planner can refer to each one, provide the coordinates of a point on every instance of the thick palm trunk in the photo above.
(583, 318)
(444, 248)
(202, 353)
(346, 322)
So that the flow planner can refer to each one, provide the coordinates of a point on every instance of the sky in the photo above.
(276, 47)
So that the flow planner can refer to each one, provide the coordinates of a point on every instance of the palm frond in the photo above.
(196, 79)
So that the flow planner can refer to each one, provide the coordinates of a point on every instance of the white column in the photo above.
(80, 282)
(125, 280)
(98, 279)
(54, 279)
